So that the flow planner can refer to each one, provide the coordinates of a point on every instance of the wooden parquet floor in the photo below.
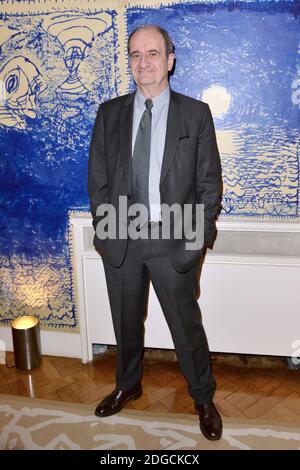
(262, 388)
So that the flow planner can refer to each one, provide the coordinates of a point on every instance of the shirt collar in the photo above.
(158, 101)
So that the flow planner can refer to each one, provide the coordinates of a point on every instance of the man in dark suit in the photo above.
(157, 148)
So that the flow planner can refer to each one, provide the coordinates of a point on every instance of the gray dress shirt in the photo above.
(158, 138)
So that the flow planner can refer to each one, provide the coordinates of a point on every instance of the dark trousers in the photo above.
(128, 288)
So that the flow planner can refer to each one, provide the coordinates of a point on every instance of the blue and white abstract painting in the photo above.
(54, 70)
(57, 65)
(242, 58)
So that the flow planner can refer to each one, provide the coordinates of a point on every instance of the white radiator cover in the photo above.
(250, 303)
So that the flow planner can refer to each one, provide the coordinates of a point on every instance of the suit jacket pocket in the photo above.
(186, 150)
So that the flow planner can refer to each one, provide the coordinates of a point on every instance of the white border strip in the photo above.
(53, 343)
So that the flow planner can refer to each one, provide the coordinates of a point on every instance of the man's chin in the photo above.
(146, 77)
(145, 83)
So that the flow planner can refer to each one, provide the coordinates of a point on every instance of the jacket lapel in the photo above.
(126, 120)
(172, 134)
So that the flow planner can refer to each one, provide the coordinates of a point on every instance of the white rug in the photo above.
(33, 424)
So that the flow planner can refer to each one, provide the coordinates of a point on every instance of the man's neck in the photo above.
(151, 92)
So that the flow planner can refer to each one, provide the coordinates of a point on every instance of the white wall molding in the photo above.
(258, 226)
(53, 343)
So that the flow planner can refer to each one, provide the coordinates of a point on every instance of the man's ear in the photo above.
(171, 58)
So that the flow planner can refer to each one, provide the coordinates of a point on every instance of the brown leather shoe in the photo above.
(114, 402)
(210, 421)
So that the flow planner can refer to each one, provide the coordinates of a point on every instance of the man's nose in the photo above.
(143, 61)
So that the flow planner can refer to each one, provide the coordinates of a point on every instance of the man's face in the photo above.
(148, 59)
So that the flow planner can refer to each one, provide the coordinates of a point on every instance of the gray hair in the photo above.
(167, 39)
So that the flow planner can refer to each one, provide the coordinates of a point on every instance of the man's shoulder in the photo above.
(189, 101)
(117, 101)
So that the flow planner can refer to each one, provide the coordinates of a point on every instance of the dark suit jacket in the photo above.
(191, 169)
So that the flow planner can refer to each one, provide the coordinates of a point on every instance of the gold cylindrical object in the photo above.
(26, 341)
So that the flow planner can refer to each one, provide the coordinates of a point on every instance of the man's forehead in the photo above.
(148, 38)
